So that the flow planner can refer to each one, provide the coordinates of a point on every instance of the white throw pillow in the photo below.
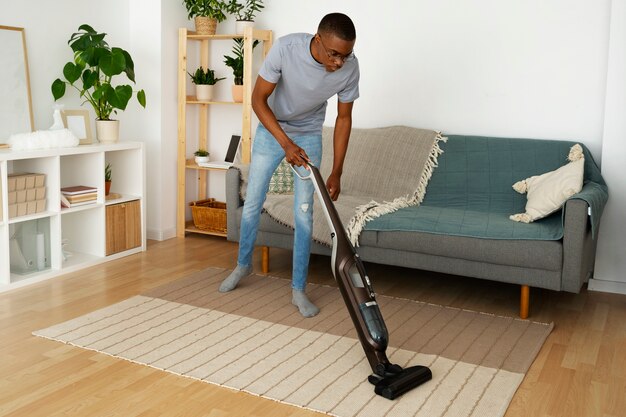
(548, 192)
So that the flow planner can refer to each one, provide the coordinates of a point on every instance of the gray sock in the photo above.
(233, 279)
(306, 307)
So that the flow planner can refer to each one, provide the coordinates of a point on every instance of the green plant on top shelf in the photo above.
(244, 11)
(213, 9)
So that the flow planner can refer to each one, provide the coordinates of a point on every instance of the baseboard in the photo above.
(607, 286)
(160, 234)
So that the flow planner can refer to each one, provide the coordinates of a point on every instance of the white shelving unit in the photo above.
(79, 231)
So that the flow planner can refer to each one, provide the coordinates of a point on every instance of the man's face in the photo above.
(333, 51)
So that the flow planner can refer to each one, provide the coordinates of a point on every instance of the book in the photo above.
(78, 189)
(76, 198)
(82, 203)
(64, 201)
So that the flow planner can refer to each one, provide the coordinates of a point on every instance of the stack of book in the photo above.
(78, 195)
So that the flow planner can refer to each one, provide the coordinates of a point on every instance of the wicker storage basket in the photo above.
(209, 215)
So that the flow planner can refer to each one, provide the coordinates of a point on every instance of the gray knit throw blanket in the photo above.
(385, 169)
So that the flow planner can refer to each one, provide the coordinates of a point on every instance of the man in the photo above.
(300, 73)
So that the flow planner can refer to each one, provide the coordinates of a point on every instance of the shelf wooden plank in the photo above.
(193, 35)
(257, 34)
(189, 227)
(194, 100)
(190, 164)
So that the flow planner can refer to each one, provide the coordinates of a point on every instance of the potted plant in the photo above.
(91, 73)
(206, 13)
(202, 155)
(107, 179)
(204, 81)
(236, 64)
(244, 13)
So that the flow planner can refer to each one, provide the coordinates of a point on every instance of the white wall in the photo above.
(610, 261)
(520, 68)
(48, 26)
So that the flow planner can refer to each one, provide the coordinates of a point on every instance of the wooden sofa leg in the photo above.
(524, 302)
(265, 259)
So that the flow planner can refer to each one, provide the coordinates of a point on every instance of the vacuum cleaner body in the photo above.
(389, 380)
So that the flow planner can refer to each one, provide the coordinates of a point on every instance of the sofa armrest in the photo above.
(578, 246)
(233, 202)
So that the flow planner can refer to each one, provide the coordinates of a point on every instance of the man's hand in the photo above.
(333, 185)
(296, 156)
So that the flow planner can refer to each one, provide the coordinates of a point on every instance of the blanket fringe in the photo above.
(373, 209)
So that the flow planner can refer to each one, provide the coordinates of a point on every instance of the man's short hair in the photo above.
(338, 24)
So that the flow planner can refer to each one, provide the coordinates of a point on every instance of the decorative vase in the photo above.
(237, 93)
(108, 131)
(202, 159)
(241, 25)
(107, 187)
(205, 25)
(204, 92)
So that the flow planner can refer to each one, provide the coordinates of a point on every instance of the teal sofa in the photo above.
(462, 226)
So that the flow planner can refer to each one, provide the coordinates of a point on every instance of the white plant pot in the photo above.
(204, 92)
(241, 25)
(108, 131)
(201, 159)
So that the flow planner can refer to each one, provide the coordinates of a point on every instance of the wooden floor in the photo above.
(581, 370)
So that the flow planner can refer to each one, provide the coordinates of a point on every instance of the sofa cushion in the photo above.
(282, 179)
(548, 192)
(467, 220)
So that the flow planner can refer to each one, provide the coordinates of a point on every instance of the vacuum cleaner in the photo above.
(389, 380)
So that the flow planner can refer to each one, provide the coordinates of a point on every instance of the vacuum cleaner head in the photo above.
(393, 386)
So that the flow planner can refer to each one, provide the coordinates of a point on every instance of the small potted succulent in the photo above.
(204, 81)
(244, 13)
(201, 155)
(206, 14)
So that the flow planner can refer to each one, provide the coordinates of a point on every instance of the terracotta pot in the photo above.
(237, 93)
(205, 25)
(107, 187)
(108, 131)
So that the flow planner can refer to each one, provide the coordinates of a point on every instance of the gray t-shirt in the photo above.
(303, 86)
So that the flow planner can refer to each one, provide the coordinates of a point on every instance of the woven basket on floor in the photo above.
(209, 215)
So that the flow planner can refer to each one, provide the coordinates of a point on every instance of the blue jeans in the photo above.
(266, 155)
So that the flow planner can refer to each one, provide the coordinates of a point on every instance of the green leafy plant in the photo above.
(207, 8)
(204, 77)
(92, 70)
(107, 172)
(201, 152)
(244, 11)
(236, 62)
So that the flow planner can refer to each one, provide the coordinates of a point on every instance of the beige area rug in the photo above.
(252, 339)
